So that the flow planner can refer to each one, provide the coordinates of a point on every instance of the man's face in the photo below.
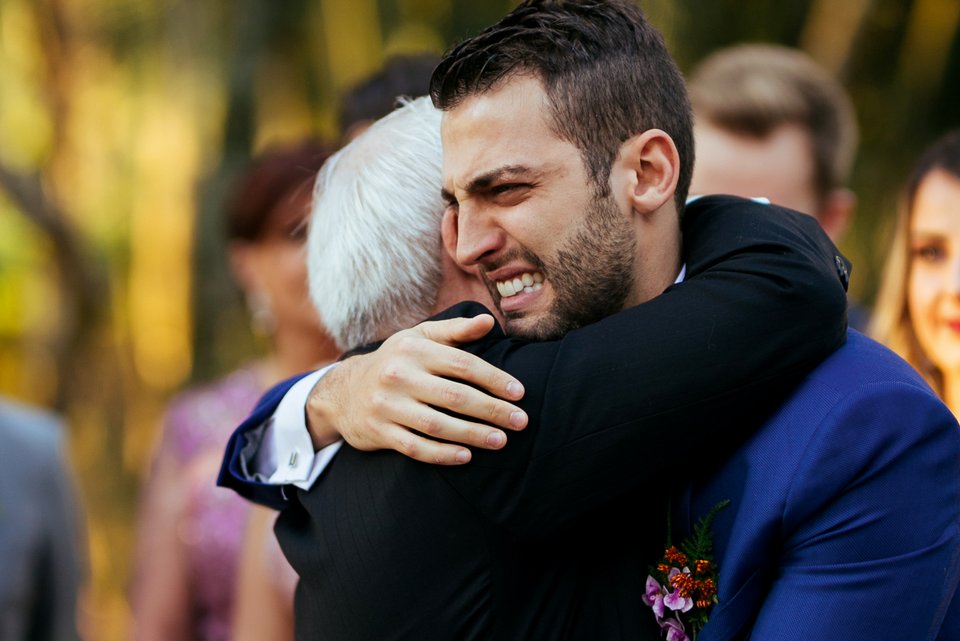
(778, 167)
(554, 254)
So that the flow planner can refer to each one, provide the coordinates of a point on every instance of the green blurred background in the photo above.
(122, 122)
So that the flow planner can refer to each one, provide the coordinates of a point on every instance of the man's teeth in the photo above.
(526, 282)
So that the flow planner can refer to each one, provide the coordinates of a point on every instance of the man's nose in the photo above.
(478, 239)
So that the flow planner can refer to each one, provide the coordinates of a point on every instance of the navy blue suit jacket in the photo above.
(844, 520)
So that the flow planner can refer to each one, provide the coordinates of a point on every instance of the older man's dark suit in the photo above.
(549, 538)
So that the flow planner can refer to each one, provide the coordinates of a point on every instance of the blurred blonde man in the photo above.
(769, 121)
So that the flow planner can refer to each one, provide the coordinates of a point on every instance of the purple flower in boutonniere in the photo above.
(654, 597)
(674, 630)
(677, 602)
(684, 582)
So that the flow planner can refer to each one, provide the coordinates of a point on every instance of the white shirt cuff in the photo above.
(287, 455)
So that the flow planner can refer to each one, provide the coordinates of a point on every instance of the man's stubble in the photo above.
(591, 274)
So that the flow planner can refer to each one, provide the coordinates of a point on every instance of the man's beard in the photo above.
(591, 274)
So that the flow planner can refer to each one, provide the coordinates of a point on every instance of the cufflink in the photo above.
(842, 270)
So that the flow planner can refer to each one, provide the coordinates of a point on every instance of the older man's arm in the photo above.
(402, 384)
(372, 399)
(773, 276)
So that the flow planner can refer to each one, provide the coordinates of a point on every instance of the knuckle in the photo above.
(378, 401)
(370, 428)
(451, 396)
(495, 413)
(478, 436)
(390, 374)
(501, 379)
(406, 344)
(460, 364)
(428, 424)
(407, 446)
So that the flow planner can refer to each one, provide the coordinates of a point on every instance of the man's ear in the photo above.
(647, 170)
(836, 214)
(449, 233)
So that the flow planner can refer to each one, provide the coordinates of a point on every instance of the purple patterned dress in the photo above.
(205, 538)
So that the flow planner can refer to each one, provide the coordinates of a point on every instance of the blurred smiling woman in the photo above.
(918, 308)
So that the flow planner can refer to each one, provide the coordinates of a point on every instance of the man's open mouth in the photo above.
(525, 282)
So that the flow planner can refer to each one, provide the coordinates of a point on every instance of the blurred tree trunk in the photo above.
(244, 36)
(80, 285)
(831, 31)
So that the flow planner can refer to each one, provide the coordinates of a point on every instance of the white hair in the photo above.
(373, 249)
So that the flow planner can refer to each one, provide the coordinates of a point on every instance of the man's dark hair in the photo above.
(376, 96)
(605, 71)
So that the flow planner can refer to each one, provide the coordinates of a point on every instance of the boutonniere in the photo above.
(682, 587)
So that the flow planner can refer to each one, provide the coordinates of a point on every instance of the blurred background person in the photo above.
(917, 313)
(190, 531)
(771, 122)
(264, 597)
(41, 559)
(375, 96)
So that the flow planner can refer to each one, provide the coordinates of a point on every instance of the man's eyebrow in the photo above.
(484, 180)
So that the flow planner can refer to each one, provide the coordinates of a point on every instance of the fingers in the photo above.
(468, 402)
(427, 451)
(438, 425)
(456, 330)
(443, 360)
(415, 378)
(432, 386)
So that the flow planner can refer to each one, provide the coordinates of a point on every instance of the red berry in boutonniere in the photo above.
(681, 598)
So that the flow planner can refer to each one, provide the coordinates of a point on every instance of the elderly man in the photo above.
(563, 168)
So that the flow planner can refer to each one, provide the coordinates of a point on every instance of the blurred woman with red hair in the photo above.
(190, 531)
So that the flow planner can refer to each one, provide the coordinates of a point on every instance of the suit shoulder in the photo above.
(32, 439)
(866, 405)
(30, 431)
(713, 205)
(861, 400)
(862, 362)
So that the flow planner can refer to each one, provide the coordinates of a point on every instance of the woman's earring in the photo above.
(261, 313)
